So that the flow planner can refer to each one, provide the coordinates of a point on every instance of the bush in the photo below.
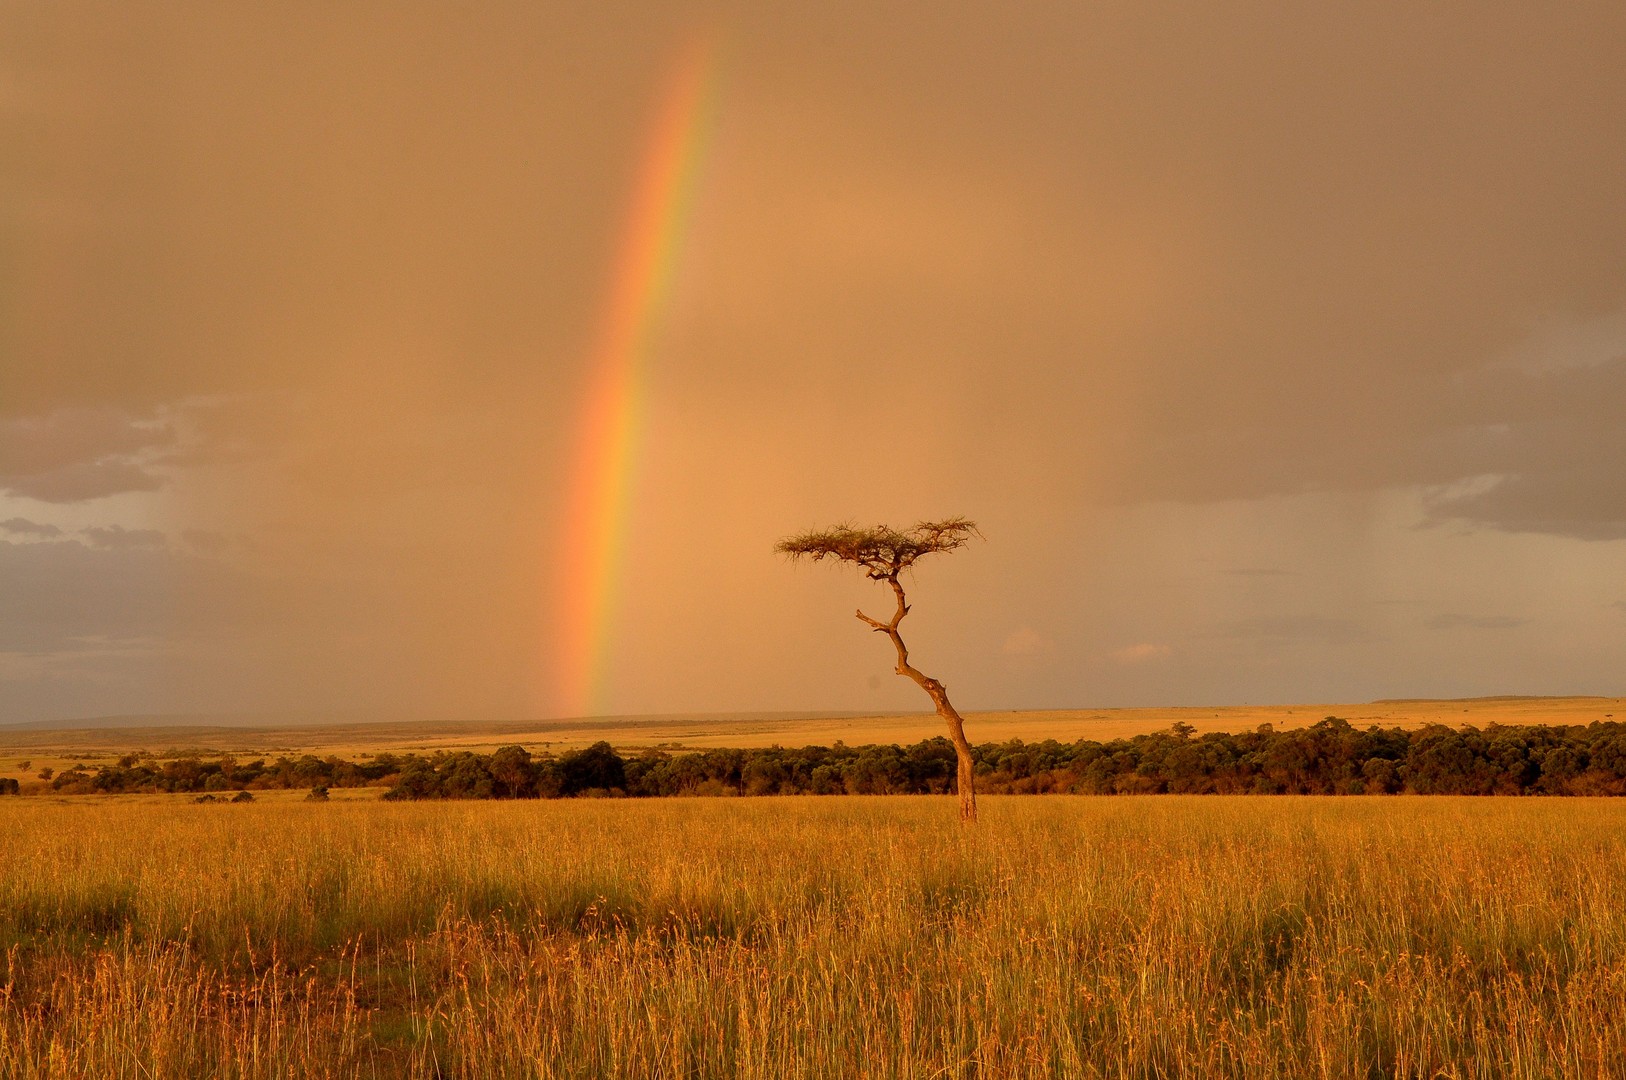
(598, 766)
(1331, 757)
(511, 769)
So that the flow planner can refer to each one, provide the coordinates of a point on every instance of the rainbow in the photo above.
(599, 490)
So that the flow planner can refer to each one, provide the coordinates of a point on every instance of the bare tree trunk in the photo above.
(934, 689)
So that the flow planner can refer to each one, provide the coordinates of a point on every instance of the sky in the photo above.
(1278, 349)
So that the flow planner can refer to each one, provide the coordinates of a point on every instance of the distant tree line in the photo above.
(145, 773)
(1329, 758)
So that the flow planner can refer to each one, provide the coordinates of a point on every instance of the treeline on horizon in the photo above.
(1331, 757)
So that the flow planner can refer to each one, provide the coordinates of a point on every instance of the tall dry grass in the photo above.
(828, 937)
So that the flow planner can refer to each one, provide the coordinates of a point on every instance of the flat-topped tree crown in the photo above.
(880, 551)
(883, 553)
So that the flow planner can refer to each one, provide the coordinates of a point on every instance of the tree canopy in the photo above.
(881, 551)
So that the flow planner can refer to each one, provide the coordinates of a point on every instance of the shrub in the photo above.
(511, 769)
(598, 766)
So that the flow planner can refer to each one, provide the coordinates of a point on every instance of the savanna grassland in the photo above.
(814, 937)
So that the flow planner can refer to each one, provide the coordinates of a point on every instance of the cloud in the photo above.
(59, 594)
(1112, 262)
(24, 527)
(1183, 324)
(117, 537)
(90, 629)
(1547, 443)
(1583, 501)
(1026, 641)
(1145, 652)
(1499, 446)
(86, 480)
(62, 596)
(74, 454)
(1454, 621)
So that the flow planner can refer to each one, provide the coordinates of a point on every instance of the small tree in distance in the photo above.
(883, 553)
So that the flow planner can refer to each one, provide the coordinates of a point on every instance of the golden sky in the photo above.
(1280, 350)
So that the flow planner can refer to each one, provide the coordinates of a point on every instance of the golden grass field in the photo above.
(62, 747)
(1200, 936)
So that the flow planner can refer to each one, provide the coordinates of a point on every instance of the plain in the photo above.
(835, 937)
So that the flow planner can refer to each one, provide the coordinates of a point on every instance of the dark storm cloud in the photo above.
(60, 594)
(1584, 503)
(1197, 254)
(1262, 252)
(1550, 445)
(1546, 445)
(91, 630)
(330, 277)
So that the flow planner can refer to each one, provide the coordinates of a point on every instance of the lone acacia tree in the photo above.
(883, 553)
